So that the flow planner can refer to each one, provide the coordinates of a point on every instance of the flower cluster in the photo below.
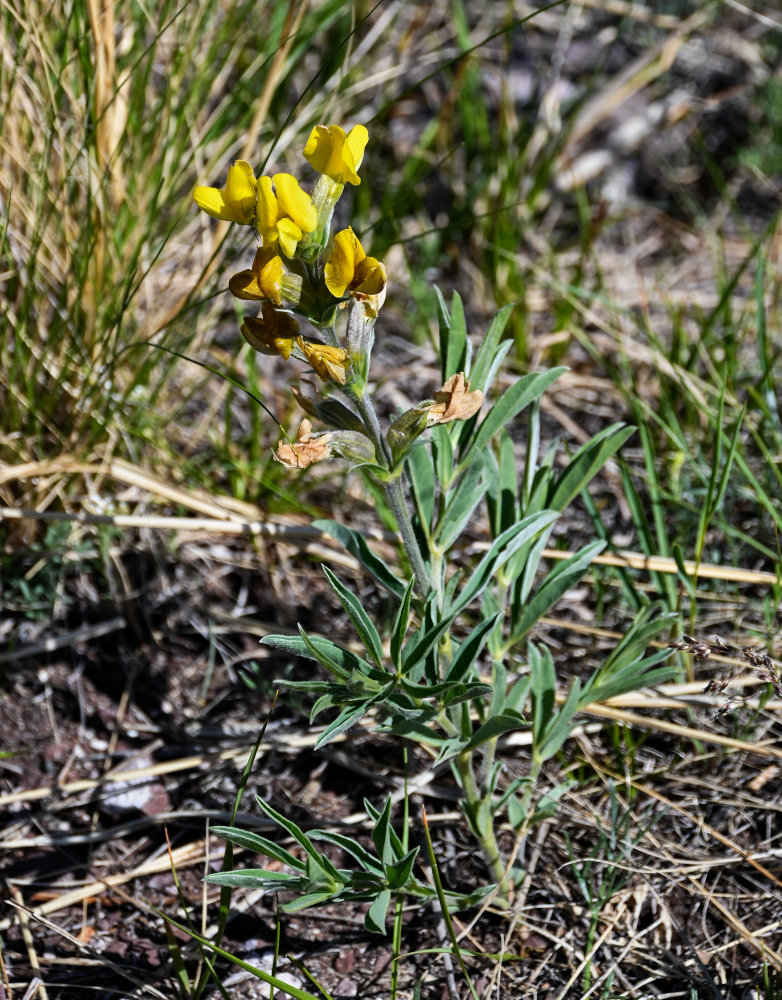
(299, 269)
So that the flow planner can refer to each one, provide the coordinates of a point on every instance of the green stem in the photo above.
(478, 808)
(394, 492)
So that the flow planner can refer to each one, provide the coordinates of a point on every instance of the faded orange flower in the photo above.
(454, 402)
(308, 449)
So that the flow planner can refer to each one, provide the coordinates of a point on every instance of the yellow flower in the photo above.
(285, 212)
(327, 362)
(236, 201)
(335, 154)
(350, 270)
(263, 280)
(274, 334)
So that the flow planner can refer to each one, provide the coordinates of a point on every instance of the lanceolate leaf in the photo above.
(350, 715)
(375, 920)
(453, 335)
(497, 725)
(491, 352)
(588, 460)
(400, 626)
(361, 620)
(356, 545)
(470, 650)
(418, 462)
(511, 403)
(501, 550)
(465, 497)
(341, 662)
(258, 845)
(564, 576)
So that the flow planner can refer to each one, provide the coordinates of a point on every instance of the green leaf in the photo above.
(466, 496)
(414, 729)
(588, 460)
(361, 620)
(375, 816)
(470, 649)
(375, 920)
(351, 846)
(543, 689)
(510, 403)
(466, 692)
(496, 725)
(422, 642)
(401, 623)
(453, 336)
(398, 872)
(442, 455)
(341, 662)
(501, 550)
(350, 715)
(491, 352)
(290, 827)
(355, 543)
(381, 833)
(564, 576)
(258, 845)
(309, 899)
(504, 505)
(559, 726)
(256, 878)
(419, 466)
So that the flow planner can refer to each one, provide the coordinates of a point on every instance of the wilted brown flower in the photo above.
(454, 402)
(308, 449)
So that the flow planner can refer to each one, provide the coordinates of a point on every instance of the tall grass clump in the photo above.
(107, 113)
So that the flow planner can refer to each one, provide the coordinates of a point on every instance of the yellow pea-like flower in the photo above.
(263, 280)
(337, 155)
(275, 333)
(350, 271)
(285, 212)
(327, 362)
(235, 202)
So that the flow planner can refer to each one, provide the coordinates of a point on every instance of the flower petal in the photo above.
(309, 448)
(340, 270)
(327, 362)
(319, 148)
(295, 203)
(288, 235)
(212, 201)
(268, 208)
(240, 191)
(454, 401)
(338, 156)
(273, 334)
(245, 285)
(356, 142)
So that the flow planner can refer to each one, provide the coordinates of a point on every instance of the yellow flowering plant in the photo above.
(458, 672)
